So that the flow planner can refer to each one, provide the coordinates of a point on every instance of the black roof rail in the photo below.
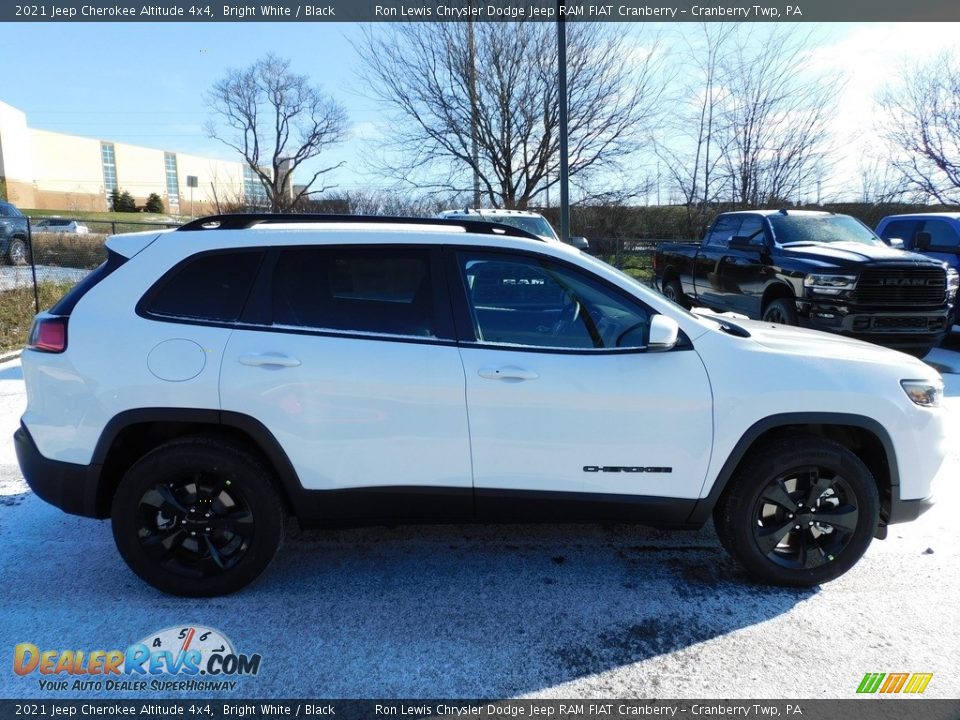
(242, 221)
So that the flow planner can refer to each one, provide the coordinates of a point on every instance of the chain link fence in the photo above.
(59, 254)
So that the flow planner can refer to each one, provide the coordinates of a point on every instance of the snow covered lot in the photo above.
(478, 611)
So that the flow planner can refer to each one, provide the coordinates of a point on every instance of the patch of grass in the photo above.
(17, 311)
(76, 251)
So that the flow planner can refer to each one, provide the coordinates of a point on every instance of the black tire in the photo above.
(672, 290)
(192, 553)
(799, 512)
(919, 353)
(17, 252)
(781, 311)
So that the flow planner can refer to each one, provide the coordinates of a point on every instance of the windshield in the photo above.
(821, 229)
(532, 224)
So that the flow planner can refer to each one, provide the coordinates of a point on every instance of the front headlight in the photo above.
(829, 283)
(923, 392)
(953, 282)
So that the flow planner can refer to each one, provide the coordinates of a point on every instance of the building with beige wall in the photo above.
(53, 171)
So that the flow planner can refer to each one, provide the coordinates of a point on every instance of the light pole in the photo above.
(564, 171)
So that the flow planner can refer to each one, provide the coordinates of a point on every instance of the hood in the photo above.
(813, 343)
(853, 254)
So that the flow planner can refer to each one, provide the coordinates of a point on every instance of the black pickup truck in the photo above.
(816, 269)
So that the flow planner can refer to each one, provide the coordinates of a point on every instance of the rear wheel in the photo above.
(17, 253)
(781, 311)
(673, 291)
(197, 517)
(799, 512)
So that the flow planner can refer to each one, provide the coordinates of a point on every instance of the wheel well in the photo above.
(860, 441)
(136, 440)
(669, 273)
(775, 292)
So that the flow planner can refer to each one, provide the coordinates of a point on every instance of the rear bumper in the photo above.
(72, 488)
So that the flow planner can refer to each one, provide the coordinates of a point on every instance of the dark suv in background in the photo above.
(13, 235)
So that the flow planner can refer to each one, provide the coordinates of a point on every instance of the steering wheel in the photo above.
(568, 315)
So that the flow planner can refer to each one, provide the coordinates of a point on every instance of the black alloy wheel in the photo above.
(800, 510)
(198, 517)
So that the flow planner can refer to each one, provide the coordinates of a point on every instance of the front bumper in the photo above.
(72, 488)
(894, 329)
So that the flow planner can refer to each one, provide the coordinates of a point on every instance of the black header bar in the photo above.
(483, 10)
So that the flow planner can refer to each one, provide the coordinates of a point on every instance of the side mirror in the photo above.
(664, 333)
(921, 241)
(895, 243)
(580, 243)
(742, 242)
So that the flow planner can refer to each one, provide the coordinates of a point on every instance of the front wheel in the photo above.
(197, 517)
(799, 512)
(17, 253)
(782, 312)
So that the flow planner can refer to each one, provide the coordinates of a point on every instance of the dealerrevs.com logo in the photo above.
(185, 658)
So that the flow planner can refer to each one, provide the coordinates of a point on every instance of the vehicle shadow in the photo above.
(11, 372)
(425, 611)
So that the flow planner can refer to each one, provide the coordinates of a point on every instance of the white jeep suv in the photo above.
(207, 382)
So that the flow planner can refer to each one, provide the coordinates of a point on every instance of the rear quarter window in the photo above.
(211, 286)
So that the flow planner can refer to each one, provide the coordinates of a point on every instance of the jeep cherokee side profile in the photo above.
(205, 383)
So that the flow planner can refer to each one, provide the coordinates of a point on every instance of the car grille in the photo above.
(901, 286)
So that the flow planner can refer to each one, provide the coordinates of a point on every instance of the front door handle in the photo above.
(270, 359)
(507, 372)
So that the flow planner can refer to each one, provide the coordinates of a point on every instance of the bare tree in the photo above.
(923, 124)
(485, 105)
(277, 121)
(691, 152)
(774, 121)
(880, 181)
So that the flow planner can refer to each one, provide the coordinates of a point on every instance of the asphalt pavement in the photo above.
(480, 611)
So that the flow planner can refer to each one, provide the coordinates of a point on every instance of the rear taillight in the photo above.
(48, 334)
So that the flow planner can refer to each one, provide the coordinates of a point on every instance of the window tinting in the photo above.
(723, 229)
(752, 228)
(523, 301)
(213, 286)
(942, 234)
(904, 230)
(376, 290)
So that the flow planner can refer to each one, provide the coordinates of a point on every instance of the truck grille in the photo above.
(901, 286)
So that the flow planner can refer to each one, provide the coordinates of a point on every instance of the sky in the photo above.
(143, 83)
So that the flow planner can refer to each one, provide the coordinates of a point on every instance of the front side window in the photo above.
(723, 230)
(752, 229)
(942, 235)
(519, 300)
(904, 230)
(368, 290)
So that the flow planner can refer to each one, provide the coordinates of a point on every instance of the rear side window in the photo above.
(210, 286)
(371, 290)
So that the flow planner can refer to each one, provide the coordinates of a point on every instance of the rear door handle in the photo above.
(507, 372)
(270, 359)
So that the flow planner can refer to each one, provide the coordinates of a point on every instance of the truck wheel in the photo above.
(799, 512)
(673, 291)
(197, 517)
(17, 251)
(781, 311)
